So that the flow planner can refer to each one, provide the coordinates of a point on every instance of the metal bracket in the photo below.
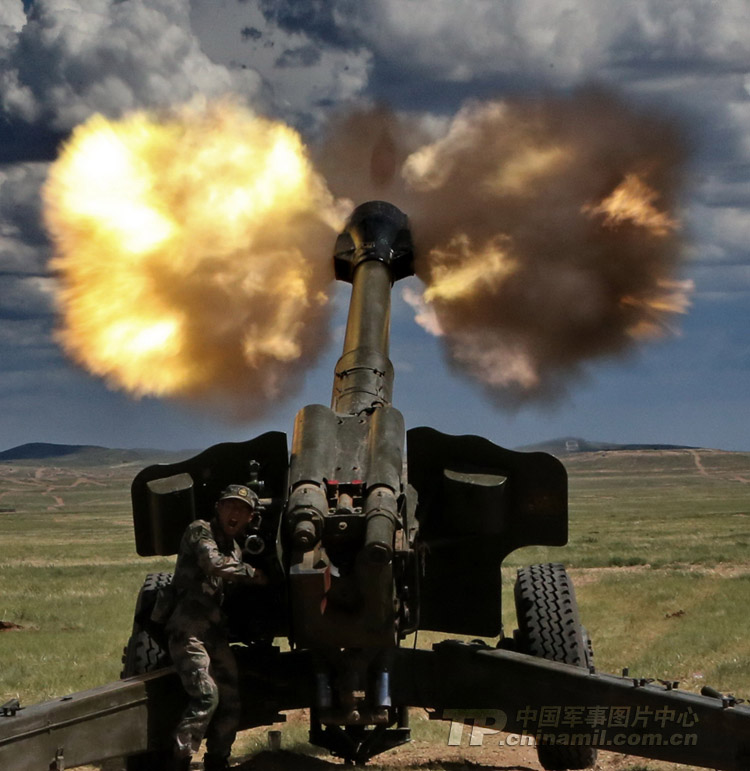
(10, 708)
(727, 700)
(58, 764)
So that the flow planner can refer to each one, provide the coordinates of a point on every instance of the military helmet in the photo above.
(240, 493)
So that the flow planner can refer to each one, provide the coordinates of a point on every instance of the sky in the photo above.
(62, 61)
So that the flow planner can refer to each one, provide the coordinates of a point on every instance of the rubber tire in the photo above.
(549, 627)
(144, 654)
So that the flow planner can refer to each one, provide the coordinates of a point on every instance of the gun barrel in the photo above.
(373, 252)
(368, 323)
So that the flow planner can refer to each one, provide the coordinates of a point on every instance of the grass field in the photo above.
(70, 576)
(659, 553)
(658, 550)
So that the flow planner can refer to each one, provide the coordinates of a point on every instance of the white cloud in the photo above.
(559, 40)
(72, 58)
(300, 74)
(12, 14)
(727, 228)
(722, 185)
(739, 113)
(75, 57)
(718, 250)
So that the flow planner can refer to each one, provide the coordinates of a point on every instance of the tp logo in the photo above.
(482, 721)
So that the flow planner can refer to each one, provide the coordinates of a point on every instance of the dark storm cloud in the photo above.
(25, 283)
(319, 19)
(304, 56)
(21, 141)
(251, 33)
(24, 334)
(20, 212)
(46, 374)
(24, 296)
(732, 186)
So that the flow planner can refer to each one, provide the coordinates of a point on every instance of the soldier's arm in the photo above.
(214, 563)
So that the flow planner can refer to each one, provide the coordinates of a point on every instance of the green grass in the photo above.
(658, 551)
(674, 625)
(70, 577)
(655, 508)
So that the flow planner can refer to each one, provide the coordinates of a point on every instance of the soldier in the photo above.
(197, 632)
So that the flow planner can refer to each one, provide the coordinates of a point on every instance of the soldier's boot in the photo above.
(215, 762)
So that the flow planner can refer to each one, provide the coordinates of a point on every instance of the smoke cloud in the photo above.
(545, 229)
(364, 151)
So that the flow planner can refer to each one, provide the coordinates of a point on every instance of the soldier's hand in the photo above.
(259, 578)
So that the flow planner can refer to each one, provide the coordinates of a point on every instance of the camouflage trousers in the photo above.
(208, 671)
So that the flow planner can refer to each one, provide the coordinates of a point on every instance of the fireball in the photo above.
(192, 252)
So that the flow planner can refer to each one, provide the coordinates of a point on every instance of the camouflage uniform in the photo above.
(198, 642)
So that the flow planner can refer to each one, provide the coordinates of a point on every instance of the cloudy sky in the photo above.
(689, 60)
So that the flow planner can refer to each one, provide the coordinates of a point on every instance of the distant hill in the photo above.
(41, 450)
(569, 444)
(35, 453)
(86, 455)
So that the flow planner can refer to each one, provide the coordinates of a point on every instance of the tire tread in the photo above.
(549, 627)
(144, 654)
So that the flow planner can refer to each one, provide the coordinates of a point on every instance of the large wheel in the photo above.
(144, 653)
(549, 627)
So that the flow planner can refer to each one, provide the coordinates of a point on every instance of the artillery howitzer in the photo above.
(360, 554)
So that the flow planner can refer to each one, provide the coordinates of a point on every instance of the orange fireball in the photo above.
(192, 252)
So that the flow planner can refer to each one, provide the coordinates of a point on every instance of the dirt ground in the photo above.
(425, 755)
(435, 755)
(417, 755)
(420, 755)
